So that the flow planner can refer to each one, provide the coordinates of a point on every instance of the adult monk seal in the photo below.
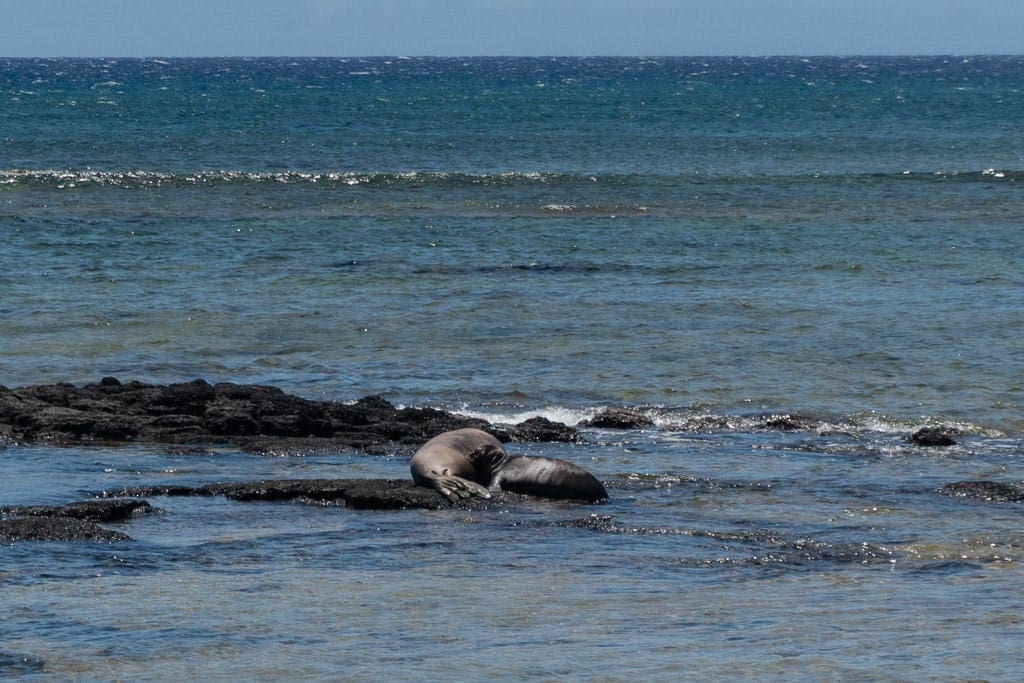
(470, 462)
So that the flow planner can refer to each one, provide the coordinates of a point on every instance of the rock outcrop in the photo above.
(619, 418)
(257, 418)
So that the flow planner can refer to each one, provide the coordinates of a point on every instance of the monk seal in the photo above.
(470, 462)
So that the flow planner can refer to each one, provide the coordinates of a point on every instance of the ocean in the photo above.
(789, 264)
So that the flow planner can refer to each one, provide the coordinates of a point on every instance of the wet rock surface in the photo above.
(360, 494)
(933, 437)
(984, 490)
(536, 429)
(89, 510)
(619, 418)
(375, 494)
(257, 418)
(72, 522)
(55, 529)
(785, 423)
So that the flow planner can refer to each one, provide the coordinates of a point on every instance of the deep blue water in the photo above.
(712, 241)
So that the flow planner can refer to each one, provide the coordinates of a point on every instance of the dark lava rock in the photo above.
(88, 510)
(597, 522)
(72, 522)
(157, 490)
(55, 529)
(619, 418)
(375, 494)
(933, 436)
(260, 418)
(280, 446)
(367, 494)
(390, 494)
(785, 423)
(984, 490)
(540, 429)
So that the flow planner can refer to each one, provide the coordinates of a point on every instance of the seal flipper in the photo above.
(456, 488)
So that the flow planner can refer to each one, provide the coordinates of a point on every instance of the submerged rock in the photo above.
(754, 547)
(984, 490)
(259, 418)
(14, 664)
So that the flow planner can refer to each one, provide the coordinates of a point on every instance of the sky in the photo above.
(349, 28)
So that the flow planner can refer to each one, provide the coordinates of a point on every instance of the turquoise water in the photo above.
(712, 241)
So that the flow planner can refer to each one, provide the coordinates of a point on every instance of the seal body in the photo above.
(470, 462)
(548, 478)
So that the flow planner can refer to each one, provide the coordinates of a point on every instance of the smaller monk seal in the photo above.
(470, 462)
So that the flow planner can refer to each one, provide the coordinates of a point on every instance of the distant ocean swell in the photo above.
(132, 179)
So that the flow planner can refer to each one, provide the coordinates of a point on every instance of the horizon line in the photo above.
(780, 55)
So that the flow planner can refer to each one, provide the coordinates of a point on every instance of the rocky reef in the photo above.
(254, 417)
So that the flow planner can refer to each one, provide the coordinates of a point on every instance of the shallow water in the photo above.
(726, 553)
(714, 242)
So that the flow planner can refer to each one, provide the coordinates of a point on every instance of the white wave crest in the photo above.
(568, 416)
